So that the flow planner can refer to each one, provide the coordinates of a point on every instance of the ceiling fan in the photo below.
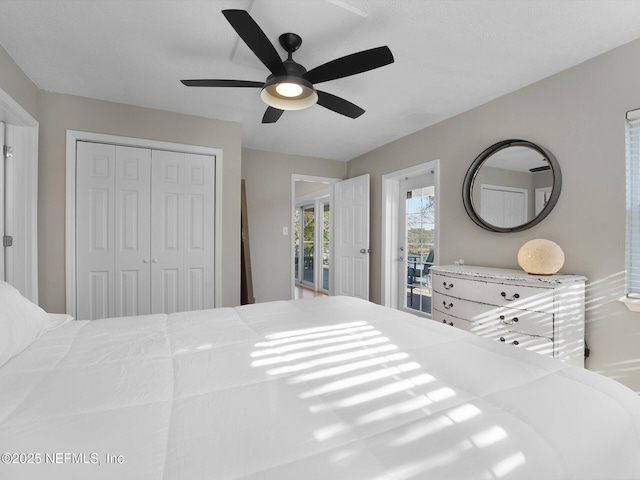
(290, 86)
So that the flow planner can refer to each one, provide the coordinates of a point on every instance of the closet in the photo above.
(144, 231)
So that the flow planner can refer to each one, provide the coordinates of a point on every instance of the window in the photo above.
(633, 204)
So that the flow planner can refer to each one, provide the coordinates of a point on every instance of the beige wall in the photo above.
(17, 84)
(579, 115)
(59, 113)
(268, 183)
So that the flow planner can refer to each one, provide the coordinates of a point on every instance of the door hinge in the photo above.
(7, 151)
(7, 241)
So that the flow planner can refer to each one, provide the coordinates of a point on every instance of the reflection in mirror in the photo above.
(511, 185)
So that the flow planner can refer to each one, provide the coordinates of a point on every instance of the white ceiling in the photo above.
(450, 56)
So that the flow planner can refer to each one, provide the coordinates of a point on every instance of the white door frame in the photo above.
(309, 178)
(389, 273)
(25, 136)
(74, 136)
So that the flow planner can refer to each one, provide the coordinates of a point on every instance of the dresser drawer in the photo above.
(512, 296)
(492, 316)
(441, 317)
(540, 345)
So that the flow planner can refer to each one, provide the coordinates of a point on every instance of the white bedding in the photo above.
(327, 388)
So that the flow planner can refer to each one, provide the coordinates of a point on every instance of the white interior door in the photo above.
(182, 232)
(199, 231)
(132, 231)
(95, 235)
(15, 256)
(3, 162)
(503, 206)
(515, 212)
(167, 232)
(145, 231)
(351, 237)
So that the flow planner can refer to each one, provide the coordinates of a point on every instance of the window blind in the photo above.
(633, 203)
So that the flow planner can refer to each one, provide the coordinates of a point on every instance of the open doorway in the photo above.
(311, 236)
(410, 214)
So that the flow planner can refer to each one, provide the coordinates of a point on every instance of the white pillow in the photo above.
(21, 322)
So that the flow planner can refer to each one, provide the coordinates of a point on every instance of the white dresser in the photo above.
(543, 313)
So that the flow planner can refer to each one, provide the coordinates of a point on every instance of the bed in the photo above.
(325, 388)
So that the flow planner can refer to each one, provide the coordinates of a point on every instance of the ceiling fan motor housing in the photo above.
(307, 98)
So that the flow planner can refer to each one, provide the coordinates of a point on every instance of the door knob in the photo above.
(144, 260)
(154, 260)
(365, 250)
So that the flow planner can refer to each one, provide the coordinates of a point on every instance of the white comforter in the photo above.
(329, 388)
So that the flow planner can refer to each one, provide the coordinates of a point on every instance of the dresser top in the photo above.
(505, 274)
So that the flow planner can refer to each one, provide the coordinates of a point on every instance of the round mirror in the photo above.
(511, 186)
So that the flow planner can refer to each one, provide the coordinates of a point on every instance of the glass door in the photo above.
(308, 245)
(417, 218)
(312, 244)
(296, 245)
(326, 246)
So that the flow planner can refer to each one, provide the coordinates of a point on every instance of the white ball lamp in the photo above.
(541, 257)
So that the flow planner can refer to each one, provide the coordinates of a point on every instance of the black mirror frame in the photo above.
(470, 177)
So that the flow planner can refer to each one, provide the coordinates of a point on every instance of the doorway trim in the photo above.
(330, 181)
(389, 273)
(73, 136)
(25, 132)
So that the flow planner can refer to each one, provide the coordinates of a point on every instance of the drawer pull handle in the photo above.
(444, 304)
(451, 323)
(514, 297)
(508, 322)
(447, 287)
(502, 339)
(515, 342)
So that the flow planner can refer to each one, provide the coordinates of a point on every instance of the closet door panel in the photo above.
(167, 232)
(95, 233)
(133, 236)
(199, 231)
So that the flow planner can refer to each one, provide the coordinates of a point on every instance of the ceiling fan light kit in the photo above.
(290, 86)
(275, 93)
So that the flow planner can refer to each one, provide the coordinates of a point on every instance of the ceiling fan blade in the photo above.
(222, 83)
(255, 39)
(350, 65)
(338, 105)
(272, 115)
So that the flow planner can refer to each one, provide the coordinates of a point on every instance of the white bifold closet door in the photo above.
(144, 231)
